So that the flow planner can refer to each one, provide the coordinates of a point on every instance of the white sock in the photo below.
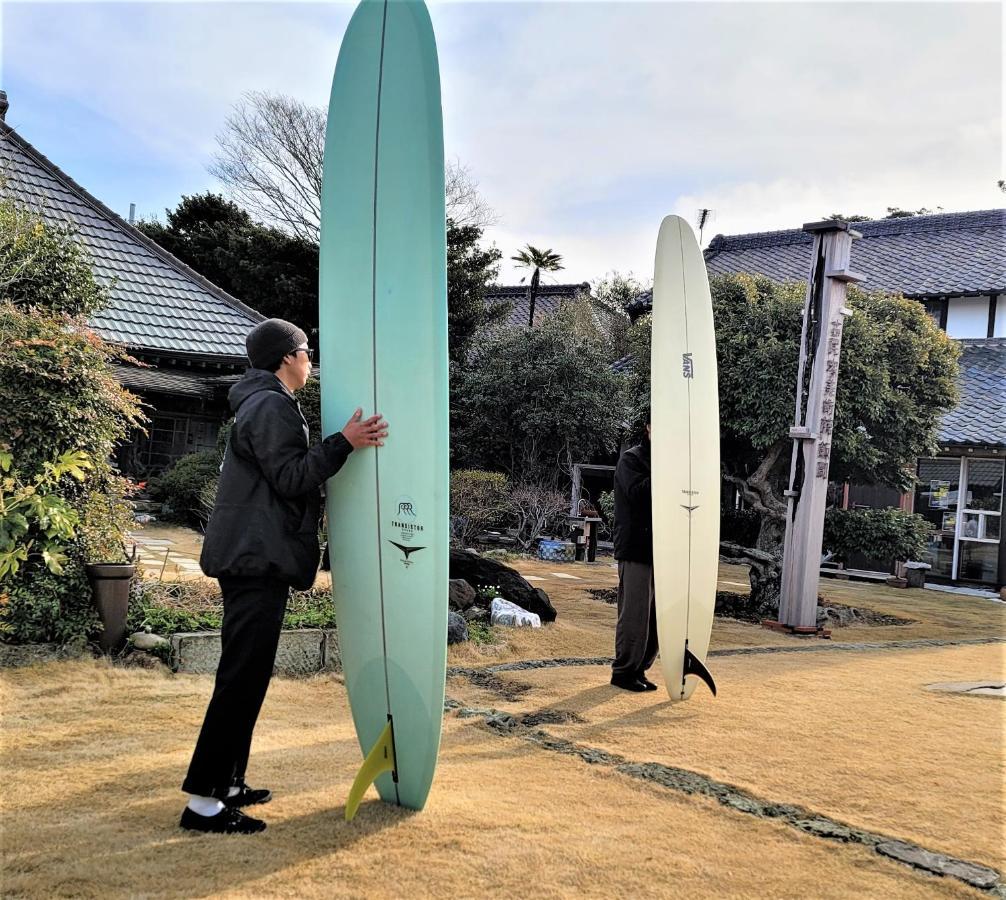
(205, 806)
(233, 791)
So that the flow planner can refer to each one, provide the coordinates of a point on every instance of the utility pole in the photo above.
(820, 351)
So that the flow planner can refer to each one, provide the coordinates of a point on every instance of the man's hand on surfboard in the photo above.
(362, 432)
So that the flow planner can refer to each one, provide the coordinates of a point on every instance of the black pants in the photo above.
(253, 618)
(636, 630)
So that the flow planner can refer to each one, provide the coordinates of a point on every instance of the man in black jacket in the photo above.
(636, 630)
(261, 540)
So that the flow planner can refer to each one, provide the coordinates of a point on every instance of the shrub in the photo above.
(606, 506)
(38, 606)
(182, 487)
(35, 521)
(167, 608)
(58, 395)
(536, 508)
(478, 499)
(481, 634)
(532, 401)
(880, 533)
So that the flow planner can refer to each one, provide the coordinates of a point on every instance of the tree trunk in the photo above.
(532, 296)
(765, 576)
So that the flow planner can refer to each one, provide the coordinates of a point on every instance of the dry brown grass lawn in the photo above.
(852, 735)
(92, 757)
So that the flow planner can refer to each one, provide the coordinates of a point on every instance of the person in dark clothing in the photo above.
(261, 540)
(636, 629)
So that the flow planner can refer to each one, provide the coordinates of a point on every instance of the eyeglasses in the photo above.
(308, 351)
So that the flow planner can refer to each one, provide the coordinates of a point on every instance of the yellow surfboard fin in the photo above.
(380, 759)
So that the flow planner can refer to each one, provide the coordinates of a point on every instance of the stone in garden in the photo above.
(457, 628)
(143, 640)
(477, 614)
(144, 661)
(479, 571)
(460, 594)
(511, 615)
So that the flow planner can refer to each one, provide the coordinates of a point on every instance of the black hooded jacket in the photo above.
(633, 506)
(265, 521)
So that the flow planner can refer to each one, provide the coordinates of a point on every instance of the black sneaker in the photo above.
(247, 796)
(227, 821)
(649, 685)
(628, 683)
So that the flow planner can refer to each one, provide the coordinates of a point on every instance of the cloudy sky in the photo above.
(584, 123)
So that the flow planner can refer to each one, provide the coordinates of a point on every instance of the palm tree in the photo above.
(539, 260)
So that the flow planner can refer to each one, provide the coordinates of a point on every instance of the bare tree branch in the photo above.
(271, 155)
(465, 205)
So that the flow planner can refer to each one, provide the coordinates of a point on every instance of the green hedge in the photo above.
(878, 533)
(182, 488)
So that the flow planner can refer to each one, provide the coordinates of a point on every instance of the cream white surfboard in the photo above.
(685, 461)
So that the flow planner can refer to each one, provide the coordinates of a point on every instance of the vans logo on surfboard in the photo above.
(687, 365)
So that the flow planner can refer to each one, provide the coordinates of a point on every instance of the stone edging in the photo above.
(302, 651)
(687, 782)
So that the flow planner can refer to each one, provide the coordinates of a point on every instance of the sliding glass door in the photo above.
(963, 499)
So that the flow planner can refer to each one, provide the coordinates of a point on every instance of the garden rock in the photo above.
(477, 614)
(142, 640)
(511, 615)
(144, 661)
(479, 571)
(457, 628)
(460, 594)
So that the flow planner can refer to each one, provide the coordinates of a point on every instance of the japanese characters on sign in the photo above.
(826, 422)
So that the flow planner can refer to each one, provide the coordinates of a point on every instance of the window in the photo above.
(968, 317)
(963, 499)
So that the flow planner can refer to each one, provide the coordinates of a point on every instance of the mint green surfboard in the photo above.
(383, 341)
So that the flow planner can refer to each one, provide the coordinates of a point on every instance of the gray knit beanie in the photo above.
(269, 341)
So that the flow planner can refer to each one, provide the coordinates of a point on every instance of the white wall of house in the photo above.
(968, 317)
(1000, 326)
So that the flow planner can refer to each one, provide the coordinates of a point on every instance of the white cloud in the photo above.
(168, 73)
(587, 122)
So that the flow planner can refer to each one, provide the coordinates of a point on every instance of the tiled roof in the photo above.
(918, 256)
(178, 382)
(980, 419)
(157, 302)
(547, 301)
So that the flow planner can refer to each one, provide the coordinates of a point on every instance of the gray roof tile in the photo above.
(980, 419)
(548, 300)
(157, 302)
(918, 256)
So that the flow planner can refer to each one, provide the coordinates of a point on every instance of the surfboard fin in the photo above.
(695, 666)
(380, 759)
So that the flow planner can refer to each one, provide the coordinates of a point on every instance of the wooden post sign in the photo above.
(820, 351)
